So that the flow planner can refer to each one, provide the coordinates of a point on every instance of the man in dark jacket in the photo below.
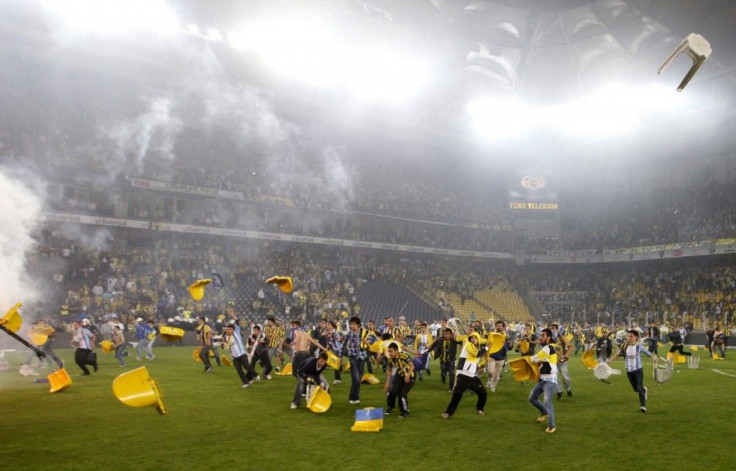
(445, 349)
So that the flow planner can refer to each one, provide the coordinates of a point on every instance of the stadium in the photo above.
(551, 164)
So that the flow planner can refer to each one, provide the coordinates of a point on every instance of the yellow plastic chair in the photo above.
(195, 354)
(589, 359)
(333, 361)
(369, 378)
(286, 370)
(346, 367)
(496, 341)
(320, 401)
(284, 283)
(171, 334)
(107, 346)
(13, 319)
(59, 380)
(225, 361)
(136, 388)
(524, 370)
(196, 289)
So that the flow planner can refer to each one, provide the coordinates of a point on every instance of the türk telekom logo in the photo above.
(533, 183)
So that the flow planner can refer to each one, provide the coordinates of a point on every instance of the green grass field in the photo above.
(214, 424)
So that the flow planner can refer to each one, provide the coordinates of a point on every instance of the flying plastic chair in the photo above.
(602, 371)
(196, 289)
(699, 50)
(136, 388)
(589, 359)
(284, 283)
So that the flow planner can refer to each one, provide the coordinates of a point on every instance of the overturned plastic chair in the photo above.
(225, 361)
(693, 362)
(286, 370)
(319, 401)
(663, 375)
(136, 388)
(699, 50)
(524, 370)
(370, 378)
(171, 334)
(677, 358)
(195, 354)
(589, 359)
(602, 371)
(59, 380)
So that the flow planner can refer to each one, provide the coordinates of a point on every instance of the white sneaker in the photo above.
(489, 385)
(354, 401)
(293, 406)
(493, 388)
(337, 381)
(246, 385)
(258, 379)
(268, 377)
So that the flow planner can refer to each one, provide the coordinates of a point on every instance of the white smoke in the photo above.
(151, 134)
(21, 210)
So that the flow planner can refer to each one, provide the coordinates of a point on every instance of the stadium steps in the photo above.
(466, 311)
(379, 300)
(504, 301)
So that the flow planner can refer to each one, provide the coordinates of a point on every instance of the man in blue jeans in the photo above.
(547, 384)
(357, 357)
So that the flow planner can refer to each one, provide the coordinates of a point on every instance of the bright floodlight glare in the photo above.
(113, 16)
(615, 109)
(309, 52)
(382, 74)
(499, 118)
(293, 47)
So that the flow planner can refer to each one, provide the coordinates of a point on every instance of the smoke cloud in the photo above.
(21, 210)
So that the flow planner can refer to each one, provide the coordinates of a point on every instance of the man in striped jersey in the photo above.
(402, 384)
(233, 341)
(84, 341)
(631, 350)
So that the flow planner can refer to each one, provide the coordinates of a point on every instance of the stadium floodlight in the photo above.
(499, 117)
(310, 51)
(113, 16)
(293, 47)
(382, 74)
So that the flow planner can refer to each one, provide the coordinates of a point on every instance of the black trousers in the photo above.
(447, 368)
(678, 347)
(464, 383)
(82, 358)
(297, 360)
(262, 356)
(242, 365)
(399, 389)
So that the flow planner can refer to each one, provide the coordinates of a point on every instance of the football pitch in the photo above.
(214, 424)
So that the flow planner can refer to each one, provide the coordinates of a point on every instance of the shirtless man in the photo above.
(300, 341)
